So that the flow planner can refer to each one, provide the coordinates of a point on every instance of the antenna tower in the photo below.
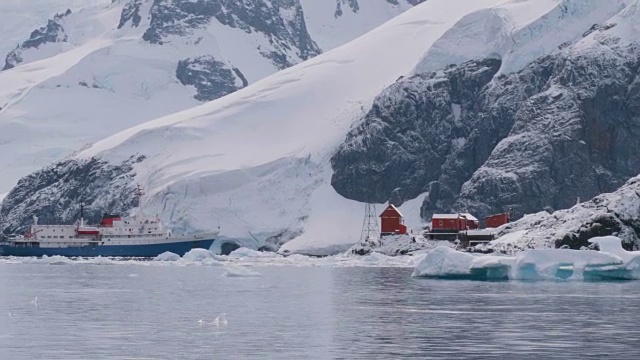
(370, 229)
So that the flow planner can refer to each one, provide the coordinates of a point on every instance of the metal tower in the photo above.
(370, 229)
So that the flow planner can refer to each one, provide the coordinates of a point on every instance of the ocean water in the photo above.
(146, 311)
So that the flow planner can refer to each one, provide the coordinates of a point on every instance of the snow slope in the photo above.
(18, 18)
(105, 78)
(257, 160)
(518, 32)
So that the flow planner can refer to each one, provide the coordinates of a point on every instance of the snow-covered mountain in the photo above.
(90, 68)
(482, 105)
(544, 113)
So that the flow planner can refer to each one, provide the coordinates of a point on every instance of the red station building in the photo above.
(497, 220)
(454, 222)
(392, 222)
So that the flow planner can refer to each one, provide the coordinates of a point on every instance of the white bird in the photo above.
(220, 320)
(35, 302)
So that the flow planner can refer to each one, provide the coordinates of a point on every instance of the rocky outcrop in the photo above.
(418, 131)
(396, 245)
(565, 127)
(131, 12)
(352, 4)
(211, 78)
(616, 214)
(280, 21)
(53, 32)
(55, 193)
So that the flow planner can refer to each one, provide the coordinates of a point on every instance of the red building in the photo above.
(497, 220)
(392, 222)
(454, 222)
(472, 222)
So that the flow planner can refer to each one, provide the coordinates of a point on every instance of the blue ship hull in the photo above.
(152, 250)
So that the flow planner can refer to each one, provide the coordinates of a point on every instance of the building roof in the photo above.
(446, 216)
(469, 216)
(391, 206)
(455, 216)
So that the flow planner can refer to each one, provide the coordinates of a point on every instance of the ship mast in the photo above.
(138, 193)
(81, 215)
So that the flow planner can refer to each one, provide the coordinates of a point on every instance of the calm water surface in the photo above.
(129, 311)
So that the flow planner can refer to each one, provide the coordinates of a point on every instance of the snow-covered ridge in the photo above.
(103, 77)
(518, 32)
(615, 213)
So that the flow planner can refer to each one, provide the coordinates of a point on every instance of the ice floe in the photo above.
(239, 257)
(240, 271)
(167, 256)
(612, 262)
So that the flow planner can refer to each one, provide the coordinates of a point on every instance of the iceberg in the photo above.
(611, 262)
(167, 256)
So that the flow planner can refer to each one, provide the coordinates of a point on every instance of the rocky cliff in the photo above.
(53, 32)
(55, 193)
(564, 128)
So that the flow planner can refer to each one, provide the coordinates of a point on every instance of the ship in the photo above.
(115, 236)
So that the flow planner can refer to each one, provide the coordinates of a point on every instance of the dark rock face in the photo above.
(51, 33)
(52, 192)
(565, 127)
(403, 144)
(609, 214)
(211, 78)
(285, 33)
(353, 4)
(131, 12)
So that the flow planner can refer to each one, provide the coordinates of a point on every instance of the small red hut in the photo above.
(448, 222)
(497, 220)
(454, 222)
(392, 222)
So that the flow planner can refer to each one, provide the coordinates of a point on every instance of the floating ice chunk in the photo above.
(376, 257)
(57, 260)
(102, 261)
(167, 256)
(239, 271)
(444, 262)
(613, 245)
(543, 264)
(560, 263)
(491, 267)
(199, 255)
(244, 252)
